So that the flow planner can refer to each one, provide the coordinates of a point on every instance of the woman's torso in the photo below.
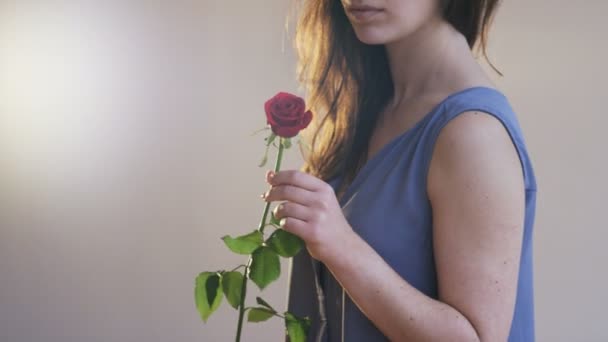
(387, 205)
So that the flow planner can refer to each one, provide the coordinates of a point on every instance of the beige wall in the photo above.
(125, 154)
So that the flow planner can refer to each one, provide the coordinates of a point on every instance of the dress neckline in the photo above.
(388, 146)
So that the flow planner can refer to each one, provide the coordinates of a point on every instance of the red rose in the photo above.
(286, 114)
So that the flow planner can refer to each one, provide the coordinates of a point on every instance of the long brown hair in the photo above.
(349, 83)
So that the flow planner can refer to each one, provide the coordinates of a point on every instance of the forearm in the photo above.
(398, 309)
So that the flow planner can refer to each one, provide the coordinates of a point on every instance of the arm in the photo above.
(476, 190)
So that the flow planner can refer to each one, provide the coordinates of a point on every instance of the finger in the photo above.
(295, 226)
(297, 178)
(290, 193)
(295, 210)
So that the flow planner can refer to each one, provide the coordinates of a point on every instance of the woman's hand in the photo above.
(310, 211)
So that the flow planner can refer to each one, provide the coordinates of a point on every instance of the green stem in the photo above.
(239, 328)
(273, 225)
(279, 315)
(261, 227)
(277, 167)
(236, 268)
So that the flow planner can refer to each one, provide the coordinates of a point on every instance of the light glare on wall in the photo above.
(55, 73)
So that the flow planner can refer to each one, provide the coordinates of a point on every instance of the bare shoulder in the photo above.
(474, 144)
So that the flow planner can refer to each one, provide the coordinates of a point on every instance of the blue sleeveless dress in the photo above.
(387, 205)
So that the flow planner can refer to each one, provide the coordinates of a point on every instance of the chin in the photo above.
(372, 36)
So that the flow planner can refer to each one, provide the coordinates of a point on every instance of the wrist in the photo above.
(343, 251)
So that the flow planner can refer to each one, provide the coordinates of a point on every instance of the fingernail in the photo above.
(270, 175)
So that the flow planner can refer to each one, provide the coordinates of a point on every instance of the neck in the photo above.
(425, 61)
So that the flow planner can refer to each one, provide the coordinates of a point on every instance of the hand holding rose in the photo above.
(311, 211)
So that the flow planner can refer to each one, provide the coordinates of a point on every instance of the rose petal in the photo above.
(306, 119)
(285, 121)
(286, 115)
(285, 132)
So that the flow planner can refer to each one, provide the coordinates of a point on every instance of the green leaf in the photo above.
(232, 283)
(264, 159)
(270, 139)
(212, 285)
(244, 244)
(285, 243)
(274, 220)
(265, 267)
(286, 143)
(206, 295)
(259, 314)
(261, 130)
(297, 328)
(262, 302)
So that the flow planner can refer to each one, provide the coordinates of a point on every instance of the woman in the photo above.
(417, 201)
